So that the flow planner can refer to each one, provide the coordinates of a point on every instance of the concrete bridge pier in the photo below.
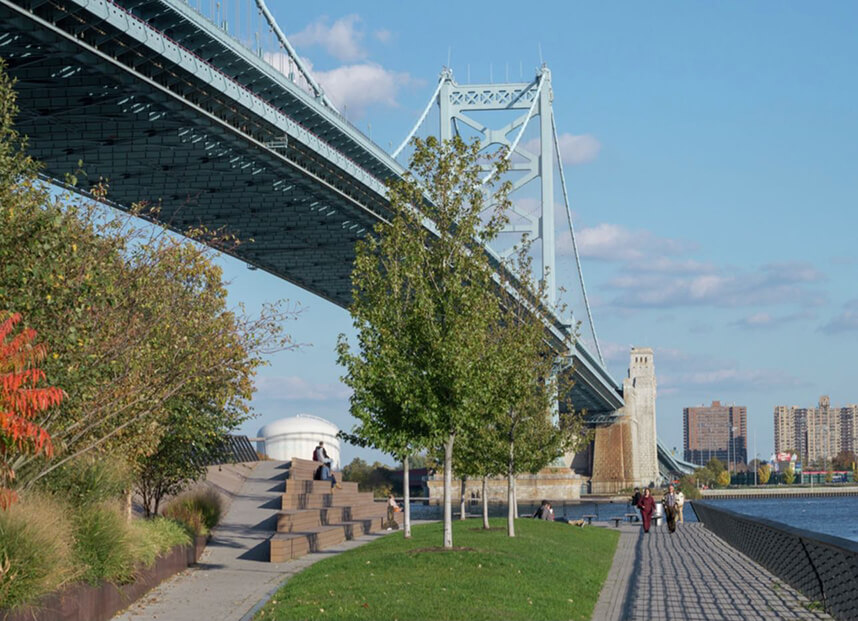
(625, 452)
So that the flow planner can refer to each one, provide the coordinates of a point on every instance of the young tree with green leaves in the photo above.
(528, 378)
(422, 304)
(136, 316)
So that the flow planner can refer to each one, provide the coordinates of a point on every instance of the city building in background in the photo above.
(816, 434)
(717, 430)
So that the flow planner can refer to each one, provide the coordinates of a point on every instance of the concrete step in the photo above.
(300, 519)
(286, 546)
(303, 469)
(367, 510)
(292, 500)
(301, 486)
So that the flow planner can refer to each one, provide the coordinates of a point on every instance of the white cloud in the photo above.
(294, 388)
(762, 320)
(355, 87)
(578, 149)
(342, 39)
(574, 149)
(847, 321)
(682, 373)
(659, 283)
(611, 242)
(383, 35)
(726, 380)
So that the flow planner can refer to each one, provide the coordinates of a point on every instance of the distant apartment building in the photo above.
(716, 431)
(816, 434)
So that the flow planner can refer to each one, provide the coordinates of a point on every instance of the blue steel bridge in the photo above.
(171, 108)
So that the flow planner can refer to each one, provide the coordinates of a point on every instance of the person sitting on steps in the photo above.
(324, 472)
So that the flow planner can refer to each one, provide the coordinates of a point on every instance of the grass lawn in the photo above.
(550, 570)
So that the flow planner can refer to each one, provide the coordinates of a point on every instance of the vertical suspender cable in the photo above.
(574, 243)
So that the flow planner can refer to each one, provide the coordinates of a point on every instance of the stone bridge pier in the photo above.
(625, 452)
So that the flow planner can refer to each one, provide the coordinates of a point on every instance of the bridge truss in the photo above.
(169, 107)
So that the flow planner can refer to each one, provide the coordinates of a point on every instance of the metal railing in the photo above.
(822, 567)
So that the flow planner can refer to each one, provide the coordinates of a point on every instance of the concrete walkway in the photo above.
(233, 573)
(693, 575)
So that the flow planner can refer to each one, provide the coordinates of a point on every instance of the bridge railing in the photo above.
(822, 567)
(247, 91)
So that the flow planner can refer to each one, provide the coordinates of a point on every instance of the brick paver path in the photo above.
(692, 575)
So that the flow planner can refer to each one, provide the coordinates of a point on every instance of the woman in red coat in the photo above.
(647, 506)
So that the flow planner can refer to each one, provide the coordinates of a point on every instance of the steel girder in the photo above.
(168, 109)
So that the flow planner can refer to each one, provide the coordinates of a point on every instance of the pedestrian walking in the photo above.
(669, 502)
(636, 498)
(392, 509)
(680, 503)
(647, 506)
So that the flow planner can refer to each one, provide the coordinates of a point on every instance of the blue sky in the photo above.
(712, 152)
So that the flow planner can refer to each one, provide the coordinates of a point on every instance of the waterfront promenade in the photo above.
(692, 575)
(233, 574)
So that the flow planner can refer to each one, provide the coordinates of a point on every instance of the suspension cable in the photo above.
(293, 54)
(422, 118)
(574, 243)
(509, 153)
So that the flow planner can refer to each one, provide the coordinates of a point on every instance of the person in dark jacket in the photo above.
(647, 506)
(321, 455)
(669, 502)
(544, 512)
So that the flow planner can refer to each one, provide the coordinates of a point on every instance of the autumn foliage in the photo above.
(22, 399)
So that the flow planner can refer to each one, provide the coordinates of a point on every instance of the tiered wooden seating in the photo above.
(315, 516)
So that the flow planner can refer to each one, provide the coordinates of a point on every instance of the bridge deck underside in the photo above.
(153, 146)
(162, 135)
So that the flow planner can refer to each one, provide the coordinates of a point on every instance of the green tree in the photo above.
(422, 303)
(526, 378)
(789, 475)
(844, 460)
(723, 478)
(764, 472)
(136, 316)
(688, 486)
(709, 474)
(197, 436)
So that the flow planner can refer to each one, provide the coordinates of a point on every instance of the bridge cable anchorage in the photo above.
(515, 142)
(574, 242)
(422, 118)
(293, 55)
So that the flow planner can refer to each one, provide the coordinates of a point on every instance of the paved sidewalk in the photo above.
(692, 575)
(233, 573)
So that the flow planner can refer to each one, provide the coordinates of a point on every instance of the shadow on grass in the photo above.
(442, 549)
(485, 530)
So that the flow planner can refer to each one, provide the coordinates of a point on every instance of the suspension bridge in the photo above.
(206, 109)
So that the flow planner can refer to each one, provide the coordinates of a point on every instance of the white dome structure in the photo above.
(298, 436)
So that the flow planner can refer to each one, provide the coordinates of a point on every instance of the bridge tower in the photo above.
(625, 452)
(532, 99)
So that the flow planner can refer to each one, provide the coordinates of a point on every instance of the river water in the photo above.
(832, 515)
(835, 515)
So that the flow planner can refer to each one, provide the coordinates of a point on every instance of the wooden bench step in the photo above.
(285, 546)
(301, 486)
(298, 520)
(293, 500)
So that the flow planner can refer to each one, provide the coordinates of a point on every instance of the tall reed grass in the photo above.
(36, 555)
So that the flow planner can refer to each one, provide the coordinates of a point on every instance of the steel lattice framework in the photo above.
(169, 108)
